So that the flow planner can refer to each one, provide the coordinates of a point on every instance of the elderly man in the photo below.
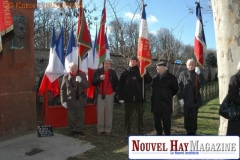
(131, 93)
(164, 87)
(73, 98)
(189, 82)
(106, 80)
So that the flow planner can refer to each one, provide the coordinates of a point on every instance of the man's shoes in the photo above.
(99, 133)
(82, 134)
(72, 133)
(108, 133)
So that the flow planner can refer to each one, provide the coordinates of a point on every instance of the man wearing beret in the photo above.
(189, 96)
(131, 93)
(164, 87)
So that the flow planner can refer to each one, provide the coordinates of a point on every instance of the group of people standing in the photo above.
(130, 88)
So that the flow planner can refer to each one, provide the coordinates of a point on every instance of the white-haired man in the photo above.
(73, 98)
(189, 82)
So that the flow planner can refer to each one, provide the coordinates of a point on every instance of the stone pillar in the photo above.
(17, 78)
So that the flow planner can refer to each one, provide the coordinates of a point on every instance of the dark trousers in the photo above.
(164, 118)
(132, 109)
(76, 119)
(190, 120)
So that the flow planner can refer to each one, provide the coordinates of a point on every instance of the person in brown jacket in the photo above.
(73, 98)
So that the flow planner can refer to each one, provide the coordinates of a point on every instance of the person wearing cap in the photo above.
(106, 79)
(73, 98)
(189, 82)
(164, 87)
(131, 93)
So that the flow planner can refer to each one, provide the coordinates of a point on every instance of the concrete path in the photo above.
(31, 147)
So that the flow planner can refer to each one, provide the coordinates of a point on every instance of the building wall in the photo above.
(17, 79)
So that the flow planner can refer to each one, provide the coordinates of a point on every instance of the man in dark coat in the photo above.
(189, 82)
(73, 98)
(234, 96)
(164, 87)
(131, 93)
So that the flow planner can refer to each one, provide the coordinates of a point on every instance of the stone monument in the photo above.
(17, 78)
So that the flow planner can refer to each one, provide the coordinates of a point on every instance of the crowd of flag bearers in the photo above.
(86, 68)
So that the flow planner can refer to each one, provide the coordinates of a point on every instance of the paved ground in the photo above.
(31, 147)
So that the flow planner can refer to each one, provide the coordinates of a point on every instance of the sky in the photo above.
(171, 14)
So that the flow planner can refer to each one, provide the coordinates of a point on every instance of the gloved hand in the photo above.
(121, 101)
(181, 102)
(78, 79)
(197, 70)
(102, 77)
(64, 105)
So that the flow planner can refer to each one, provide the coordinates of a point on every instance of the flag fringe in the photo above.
(8, 29)
(144, 59)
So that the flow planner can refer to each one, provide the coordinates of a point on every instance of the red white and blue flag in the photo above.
(55, 66)
(144, 52)
(71, 54)
(199, 40)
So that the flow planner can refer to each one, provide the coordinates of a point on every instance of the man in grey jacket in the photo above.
(189, 82)
(73, 98)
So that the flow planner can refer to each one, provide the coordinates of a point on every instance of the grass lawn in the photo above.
(114, 147)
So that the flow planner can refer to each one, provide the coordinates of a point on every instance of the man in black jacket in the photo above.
(189, 96)
(164, 87)
(106, 79)
(131, 93)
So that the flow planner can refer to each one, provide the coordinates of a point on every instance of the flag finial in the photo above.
(104, 3)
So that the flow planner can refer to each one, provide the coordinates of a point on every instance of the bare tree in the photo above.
(188, 53)
(168, 47)
(43, 27)
(153, 44)
(64, 14)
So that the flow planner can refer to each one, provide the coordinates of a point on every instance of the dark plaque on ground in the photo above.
(45, 131)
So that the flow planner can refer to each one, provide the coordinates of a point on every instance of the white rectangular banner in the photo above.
(183, 147)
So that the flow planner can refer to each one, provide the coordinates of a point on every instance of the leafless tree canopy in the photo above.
(122, 34)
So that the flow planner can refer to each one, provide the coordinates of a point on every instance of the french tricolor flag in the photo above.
(71, 54)
(144, 51)
(199, 40)
(55, 66)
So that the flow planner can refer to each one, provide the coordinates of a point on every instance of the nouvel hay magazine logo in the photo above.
(183, 147)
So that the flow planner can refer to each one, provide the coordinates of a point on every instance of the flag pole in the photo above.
(197, 64)
(143, 87)
(105, 55)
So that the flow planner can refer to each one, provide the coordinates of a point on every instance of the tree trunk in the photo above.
(227, 35)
